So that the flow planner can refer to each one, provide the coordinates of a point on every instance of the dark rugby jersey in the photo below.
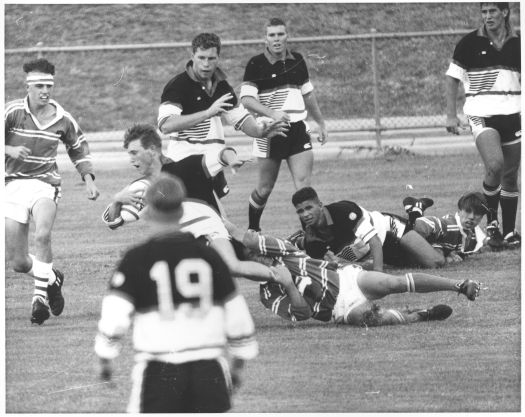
(184, 95)
(491, 77)
(278, 85)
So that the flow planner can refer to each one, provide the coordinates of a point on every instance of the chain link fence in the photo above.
(371, 82)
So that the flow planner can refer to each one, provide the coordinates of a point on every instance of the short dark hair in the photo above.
(303, 194)
(275, 21)
(165, 194)
(473, 202)
(39, 65)
(206, 41)
(147, 134)
(500, 5)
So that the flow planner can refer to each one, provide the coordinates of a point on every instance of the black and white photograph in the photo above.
(289, 207)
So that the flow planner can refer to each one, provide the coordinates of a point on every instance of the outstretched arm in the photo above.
(300, 308)
(310, 101)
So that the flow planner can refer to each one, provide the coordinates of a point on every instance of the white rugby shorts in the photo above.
(350, 295)
(22, 195)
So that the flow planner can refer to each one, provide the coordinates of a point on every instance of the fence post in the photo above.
(377, 116)
(40, 54)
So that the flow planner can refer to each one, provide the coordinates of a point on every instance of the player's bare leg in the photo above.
(301, 166)
(17, 247)
(420, 251)
(268, 171)
(375, 285)
(370, 315)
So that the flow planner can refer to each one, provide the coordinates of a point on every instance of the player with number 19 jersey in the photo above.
(183, 299)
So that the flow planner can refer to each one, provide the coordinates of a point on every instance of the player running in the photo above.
(34, 127)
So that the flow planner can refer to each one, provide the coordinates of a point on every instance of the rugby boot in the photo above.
(512, 240)
(439, 312)
(495, 238)
(54, 294)
(39, 311)
(415, 207)
(469, 289)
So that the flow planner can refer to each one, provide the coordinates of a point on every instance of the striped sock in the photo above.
(509, 207)
(421, 282)
(492, 195)
(43, 275)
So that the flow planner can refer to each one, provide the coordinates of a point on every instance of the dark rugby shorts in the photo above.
(296, 141)
(507, 125)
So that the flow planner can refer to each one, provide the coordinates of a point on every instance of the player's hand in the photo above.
(91, 188)
(282, 275)
(105, 369)
(238, 163)
(453, 125)
(271, 129)
(322, 138)
(453, 258)
(18, 152)
(280, 116)
(127, 196)
(220, 105)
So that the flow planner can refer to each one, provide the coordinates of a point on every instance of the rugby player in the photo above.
(346, 231)
(305, 288)
(34, 128)
(276, 86)
(488, 63)
(186, 314)
(194, 103)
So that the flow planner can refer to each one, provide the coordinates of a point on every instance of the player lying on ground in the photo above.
(345, 231)
(186, 313)
(312, 288)
(144, 147)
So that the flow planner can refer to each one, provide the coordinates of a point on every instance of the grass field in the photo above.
(470, 362)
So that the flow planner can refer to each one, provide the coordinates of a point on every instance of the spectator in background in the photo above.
(186, 312)
(194, 102)
(34, 127)
(276, 86)
(488, 63)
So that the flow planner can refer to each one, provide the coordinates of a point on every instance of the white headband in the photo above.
(40, 78)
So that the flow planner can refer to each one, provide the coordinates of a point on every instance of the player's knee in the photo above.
(20, 263)
(434, 262)
(494, 167)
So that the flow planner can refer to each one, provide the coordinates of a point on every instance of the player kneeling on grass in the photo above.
(186, 315)
(305, 287)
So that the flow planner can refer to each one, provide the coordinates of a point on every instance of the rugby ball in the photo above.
(130, 212)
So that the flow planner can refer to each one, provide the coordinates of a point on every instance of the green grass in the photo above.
(111, 90)
(470, 362)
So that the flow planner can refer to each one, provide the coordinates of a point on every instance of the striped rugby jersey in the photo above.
(183, 95)
(23, 128)
(278, 85)
(447, 234)
(317, 280)
(491, 77)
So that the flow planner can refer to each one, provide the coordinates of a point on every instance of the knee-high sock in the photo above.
(509, 207)
(492, 195)
(43, 275)
(255, 210)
